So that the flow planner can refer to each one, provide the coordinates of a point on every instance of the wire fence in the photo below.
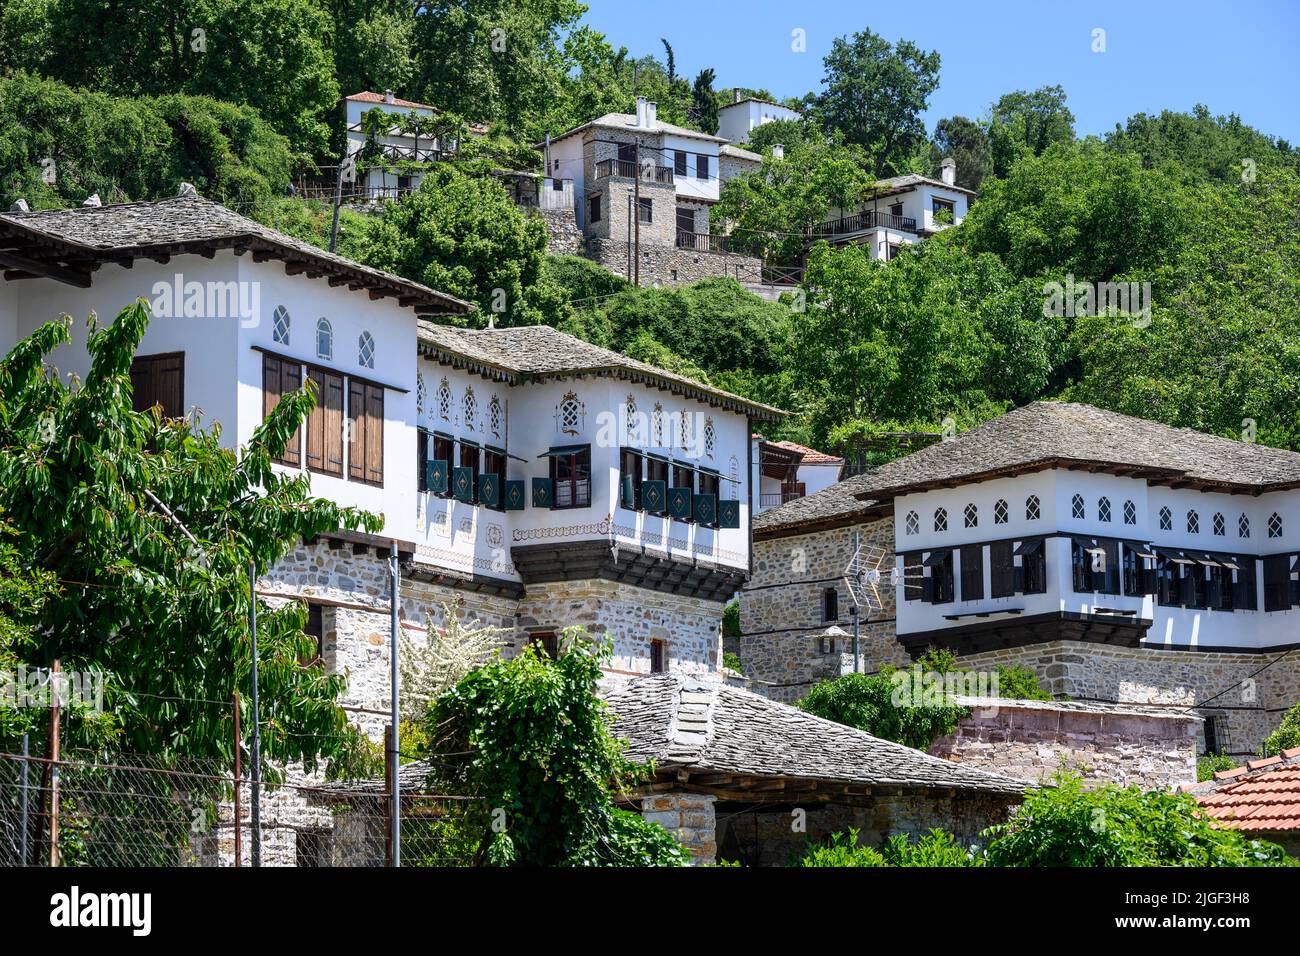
(140, 811)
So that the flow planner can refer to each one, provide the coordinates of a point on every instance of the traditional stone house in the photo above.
(900, 211)
(786, 470)
(1122, 560)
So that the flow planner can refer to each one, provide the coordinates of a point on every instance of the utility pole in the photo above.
(55, 697)
(636, 213)
(257, 743)
(239, 743)
(394, 627)
(857, 618)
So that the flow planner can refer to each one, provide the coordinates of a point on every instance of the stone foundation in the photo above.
(564, 238)
(690, 819)
(1152, 748)
(670, 266)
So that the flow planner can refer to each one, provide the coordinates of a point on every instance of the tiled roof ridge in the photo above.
(1224, 780)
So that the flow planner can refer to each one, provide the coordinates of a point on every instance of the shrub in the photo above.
(1286, 736)
(936, 848)
(1020, 683)
(1211, 764)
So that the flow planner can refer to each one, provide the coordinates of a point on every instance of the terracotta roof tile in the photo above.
(1262, 796)
(811, 456)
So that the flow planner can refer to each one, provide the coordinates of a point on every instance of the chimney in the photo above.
(778, 151)
(20, 205)
(735, 95)
(388, 96)
(187, 191)
(93, 200)
(651, 110)
(948, 169)
(640, 112)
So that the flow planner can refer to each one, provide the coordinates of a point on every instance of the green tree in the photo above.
(146, 528)
(874, 92)
(462, 234)
(966, 142)
(1287, 734)
(532, 740)
(704, 102)
(1023, 123)
(1203, 145)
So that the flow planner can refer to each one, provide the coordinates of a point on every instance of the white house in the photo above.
(786, 470)
(744, 114)
(900, 210)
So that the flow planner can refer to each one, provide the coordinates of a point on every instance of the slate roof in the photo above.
(539, 352)
(627, 122)
(191, 224)
(737, 152)
(682, 723)
(838, 503)
(910, 180)
(1262, 796)
(811, 456)
(1054, 435)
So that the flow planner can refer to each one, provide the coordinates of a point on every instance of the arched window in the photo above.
(1000, 513)
(710, 437)
(972, 515)
(940, 519)
(325, 340)
(1193, 523)
(420, 396)
(1130, 513)
(1103, 509)
(1218, 525)
(570, 412)
(1076, 506)
(684, 430)
(630, 425)
(1033, 511)
(1275, 525)
(733, 473)
(444, 401)
(657, 425)
(1166, 520)
(366, 350)
(280, 325)
(1243, 526)
(494, 415)
(913, 523)
(469, 408)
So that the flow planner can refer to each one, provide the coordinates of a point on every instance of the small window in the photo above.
(913, 523)
(547, 644)
(630, 426)
(1193, 523)
(679, 162)
(710, 437)
(645, 210)
(469, 408)
(444, 401)
(420, 396)
(366, 350)
(494, 416)
(658, 657)
(1076, 507)
(940, 519)
(1130, 513)
(1274, 525)
(1103, 509)
(701, 167)
(1166, 520)
(1218, 525)
(657, 425)
(593, 209)
(280, 325)
(325, 340)
(1243, 526)
(1000, 511)
(571, 479)
(1033, 511)
(972, 515)
(940, 207)
(830, 604)
(684, 431)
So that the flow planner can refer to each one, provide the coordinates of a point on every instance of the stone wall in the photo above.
(777, 835)
(689, 818)
(1153, 748)
(669, 266)
(781, 621)
(564, 238)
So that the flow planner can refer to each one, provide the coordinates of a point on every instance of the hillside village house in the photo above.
(900, 211)
(670, 174)
(1120, 559)
(786, 470)
(744, 114)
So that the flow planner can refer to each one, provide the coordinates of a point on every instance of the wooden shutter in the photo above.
(1002, 569)
(159, 380)
(366, 432)
(972, 572)
(325, 424)
(279, 377)
(1277, 582)
(913, 576)
(374, 435)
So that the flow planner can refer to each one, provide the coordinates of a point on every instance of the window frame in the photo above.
(575, 461)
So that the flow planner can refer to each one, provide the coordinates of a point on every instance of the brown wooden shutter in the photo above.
(1002, 569)
(159, 380)
(374, 435)
(280, 377)
(972, 572)
(357, 422)
(325, 424)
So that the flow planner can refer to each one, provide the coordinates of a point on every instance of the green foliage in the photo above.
(871, 703)
(462, 234)
(965, 141)
(1202, 145)
(704, 102)
(530, 737)
(731, 660)
(128, 149)
(874, 93)
(1065, 825)
(841, 850)
(159, 604)
(583, 282)
(1020, 683)
(731, 619)
(935, 848)
(1025, 124)
(1210, 764)
(1287, 734)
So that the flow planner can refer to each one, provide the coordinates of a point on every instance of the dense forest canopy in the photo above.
(1201, 211)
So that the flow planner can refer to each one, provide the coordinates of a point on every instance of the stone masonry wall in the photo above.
(1031, 740)
(781, 620)
(670, 266)
(689, 818)
(564, 238)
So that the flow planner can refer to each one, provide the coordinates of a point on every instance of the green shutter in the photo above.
(679, 503)
(706, 509)
(435, 476)
(462, 483)
(489, 490)
(627, 496)
(654, 496)
(541, 492)
(515, 499)
(728, 514)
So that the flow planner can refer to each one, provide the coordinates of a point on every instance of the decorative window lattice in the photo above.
(1130, 513)
(1000, 512)
(1243, 526)
(1193, 523)
(469, 408)
(570, 411)
(444, 401)
(494, 416)
(972, 515)
(324, 340)
(1076, 506)
(1274, 525)
(1166, 520)
(366, 350)
(1219, 526)
(940, 519)
(710, 437)
(657, 425)
(630, 426)
(419, 392)
(1103, 509)
(280, 325)
(1033, 510)
(684, 430)
(913, 522)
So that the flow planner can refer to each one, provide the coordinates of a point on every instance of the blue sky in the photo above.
(1241, 57)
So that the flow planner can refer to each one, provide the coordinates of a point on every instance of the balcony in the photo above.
(866, 219)
(627, 169)
(701, 242)
(778, 498)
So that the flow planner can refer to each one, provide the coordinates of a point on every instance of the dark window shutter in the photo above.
(705, 509)
(1002, 569)
(515, 497)
(316, 423)
(489, 490)
(927, 590)
(1019, 580)
(972, 572)
(627, 495)
(679, 503)
(728, 513)
(654, 498)
(436, 477)
(541, 492)
(462, 483)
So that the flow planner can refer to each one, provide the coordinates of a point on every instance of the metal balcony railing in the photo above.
(700, 241)
(627, 169)
(866, 219)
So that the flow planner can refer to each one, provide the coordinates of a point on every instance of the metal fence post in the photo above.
(54, 766)
(23, 801)
(239, 847)
(257, 743)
